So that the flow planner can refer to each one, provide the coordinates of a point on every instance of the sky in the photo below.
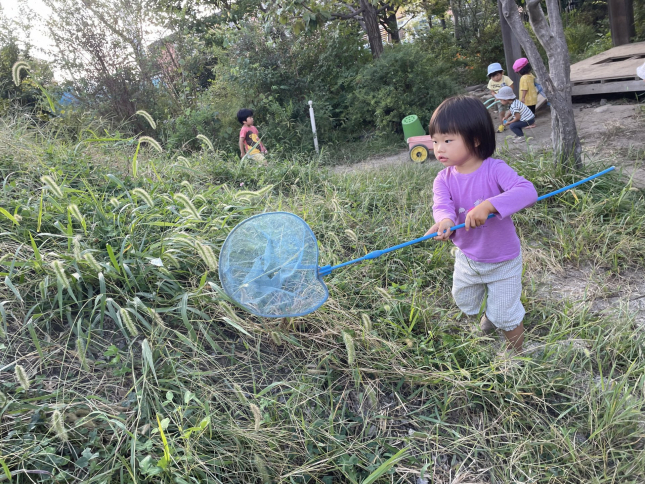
(38, 38)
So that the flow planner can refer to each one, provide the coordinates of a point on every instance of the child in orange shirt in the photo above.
(250, 144)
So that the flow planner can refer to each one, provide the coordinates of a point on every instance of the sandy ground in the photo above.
(611, 131)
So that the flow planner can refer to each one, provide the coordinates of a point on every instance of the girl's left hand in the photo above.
(478, 215)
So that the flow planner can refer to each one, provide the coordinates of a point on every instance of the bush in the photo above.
(277, 74)
(181, 131)
(482, 51)
(468, 58)
(579, 36)
(405, 80)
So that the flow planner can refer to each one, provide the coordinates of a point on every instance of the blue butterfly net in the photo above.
(269, 265)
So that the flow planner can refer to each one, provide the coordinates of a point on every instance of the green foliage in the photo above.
(584, 37)
(278, 74)
(467, 59)
(407, 79)
(439, 43)
(579, 36)
(182, 130)
(482, 51)
(639, 20)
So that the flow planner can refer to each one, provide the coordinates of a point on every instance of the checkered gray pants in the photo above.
(502, 280)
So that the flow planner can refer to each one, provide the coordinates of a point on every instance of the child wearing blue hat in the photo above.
(498, 80)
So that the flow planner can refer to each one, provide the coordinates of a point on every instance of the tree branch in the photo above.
(540, 25)
(345, 4)
(136, 47)
(553, 11)
(347, 16)
(509, 9)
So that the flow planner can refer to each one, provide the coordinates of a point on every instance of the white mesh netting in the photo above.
(269, 265)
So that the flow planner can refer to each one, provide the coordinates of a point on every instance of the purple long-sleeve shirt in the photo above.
(455, 193)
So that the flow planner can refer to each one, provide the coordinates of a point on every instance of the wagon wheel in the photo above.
(419, 153)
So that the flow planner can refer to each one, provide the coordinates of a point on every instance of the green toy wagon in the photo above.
(419, 143)
(421, 147)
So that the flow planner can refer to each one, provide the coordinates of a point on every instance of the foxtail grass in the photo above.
(58, 425)
(206, 141)
(190, 209)
(21, 377)
(52, 186)
(145, 115)
(152, 142)
(16, 69)
(144, 195)
(128, 322)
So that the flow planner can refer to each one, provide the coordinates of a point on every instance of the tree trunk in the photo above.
(556, 81)
(455, 15)
(393, 28)
(621, 21)
(428, 10)
(512, 49)
(370, 18)
(443, 23)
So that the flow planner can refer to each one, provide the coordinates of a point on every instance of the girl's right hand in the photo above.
(445, 224)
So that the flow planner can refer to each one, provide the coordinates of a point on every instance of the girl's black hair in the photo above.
(468, 117)
(242, 114)
(525, 70)
(494, 73)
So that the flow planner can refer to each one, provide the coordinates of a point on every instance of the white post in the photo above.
(313, 125)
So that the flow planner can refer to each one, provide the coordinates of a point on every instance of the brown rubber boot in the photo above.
(486, 326)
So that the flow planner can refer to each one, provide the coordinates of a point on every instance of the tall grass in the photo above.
(135, 367)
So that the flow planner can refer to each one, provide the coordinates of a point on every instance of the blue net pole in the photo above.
(326, 270)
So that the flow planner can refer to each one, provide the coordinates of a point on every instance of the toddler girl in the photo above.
(471, 186)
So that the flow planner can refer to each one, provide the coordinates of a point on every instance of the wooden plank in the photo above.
(605, 81)
(625, 68)
(598, 67)
(609, 87)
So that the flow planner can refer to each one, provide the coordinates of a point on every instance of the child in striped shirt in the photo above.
(518, 116)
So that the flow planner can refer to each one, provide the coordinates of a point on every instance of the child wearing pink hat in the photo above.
(528, 91)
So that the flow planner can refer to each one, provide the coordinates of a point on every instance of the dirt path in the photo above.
(605, 292)
(611, 131)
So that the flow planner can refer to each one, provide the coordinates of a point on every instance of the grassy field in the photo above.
(122, 361)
